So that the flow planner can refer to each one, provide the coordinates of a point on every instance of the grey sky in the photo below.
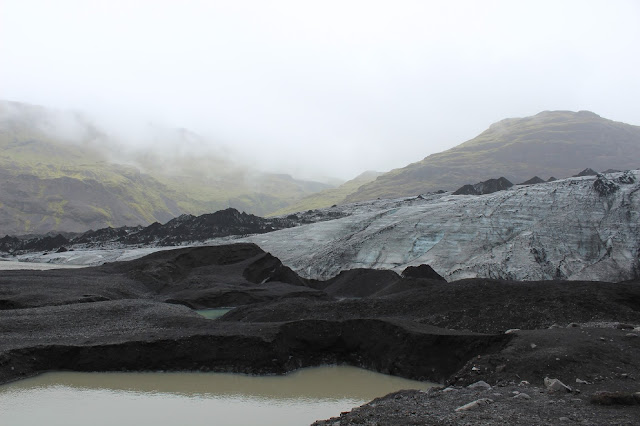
(323, 87)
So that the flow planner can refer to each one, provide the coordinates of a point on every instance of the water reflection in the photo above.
(195, 398)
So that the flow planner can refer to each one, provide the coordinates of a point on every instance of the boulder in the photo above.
(522, 396)
(604, 186)
(473, 405)
(555, 385)
(480, 385)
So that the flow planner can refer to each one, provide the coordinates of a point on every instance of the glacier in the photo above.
(565, 229)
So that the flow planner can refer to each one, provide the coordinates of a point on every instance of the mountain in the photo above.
(61, 172)
(52, 177)
(551, 143)
(329, 197)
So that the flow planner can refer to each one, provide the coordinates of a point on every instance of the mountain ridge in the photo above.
(550, 143)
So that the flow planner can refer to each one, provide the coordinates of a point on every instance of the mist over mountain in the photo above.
(551, 143)
(61, 172)
(331, 196)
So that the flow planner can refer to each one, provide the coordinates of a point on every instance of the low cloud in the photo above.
(319, 89)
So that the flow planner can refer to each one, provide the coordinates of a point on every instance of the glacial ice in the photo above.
(563, 229)
(558, 230)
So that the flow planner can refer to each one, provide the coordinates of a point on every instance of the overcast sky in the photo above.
(327, 88)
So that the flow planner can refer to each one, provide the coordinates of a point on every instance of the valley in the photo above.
(487, 288)
(60, 172)
(326, 213)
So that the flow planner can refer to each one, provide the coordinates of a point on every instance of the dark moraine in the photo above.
(128, 316)
(140, 316)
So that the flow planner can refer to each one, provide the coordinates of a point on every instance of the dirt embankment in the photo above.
(147, 335)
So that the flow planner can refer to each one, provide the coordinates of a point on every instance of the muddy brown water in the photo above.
(158, 399)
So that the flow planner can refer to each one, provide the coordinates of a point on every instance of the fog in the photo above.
(319, 89)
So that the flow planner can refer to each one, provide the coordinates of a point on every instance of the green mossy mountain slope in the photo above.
(551, 143)
(58, 173)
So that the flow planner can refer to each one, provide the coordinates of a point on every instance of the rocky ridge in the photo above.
(487, 187)
(183, 230)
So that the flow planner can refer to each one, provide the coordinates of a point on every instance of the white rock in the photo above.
(533, 346)
(481, 385)
(555, 385)
(475, 404)
(511, 330)
(522, 396)
(582, 382)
